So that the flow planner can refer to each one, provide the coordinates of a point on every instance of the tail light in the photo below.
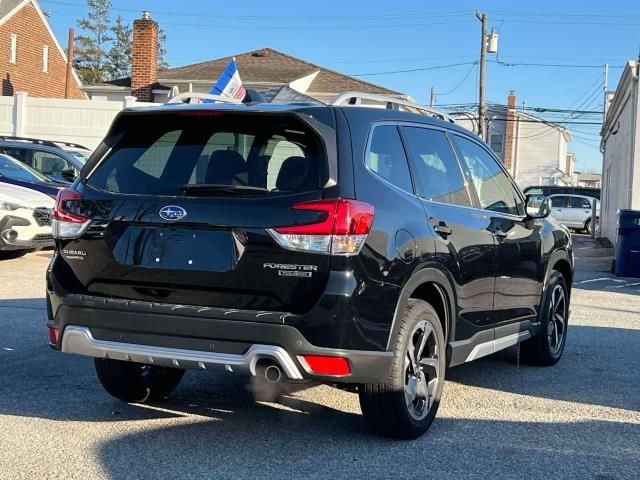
(341, 230)
(67, 223)
(53, 336)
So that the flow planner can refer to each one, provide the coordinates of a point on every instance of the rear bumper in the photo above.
(80, 340)
(100, 327)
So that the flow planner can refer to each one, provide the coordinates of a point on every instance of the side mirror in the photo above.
(538, 206)
(68, 174)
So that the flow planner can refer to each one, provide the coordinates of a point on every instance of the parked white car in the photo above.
(574, 211)
(25, 220)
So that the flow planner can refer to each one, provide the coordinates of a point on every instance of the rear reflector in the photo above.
(53, 336)
(322, 365)
(341, 229)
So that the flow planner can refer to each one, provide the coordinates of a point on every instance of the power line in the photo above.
(299, 26)
(456, 13)
(550, 65)
(562, 14)
(382, 16)
(555, 65)
(567, 122)
(556, 110)
(475, 64)
(587, 144)
(422, 69)
(564, 22)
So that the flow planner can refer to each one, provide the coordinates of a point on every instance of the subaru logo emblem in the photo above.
(172, 212)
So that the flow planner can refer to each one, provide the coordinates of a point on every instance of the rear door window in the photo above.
(271, 153)
(386, 157)
(579, 202)
(435, 167)
(559, 202)
(51, 164)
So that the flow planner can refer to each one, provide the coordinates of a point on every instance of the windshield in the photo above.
(16, 170)
(211, 153)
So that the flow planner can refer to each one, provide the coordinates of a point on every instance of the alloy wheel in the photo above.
(421, 370)
(557, 326)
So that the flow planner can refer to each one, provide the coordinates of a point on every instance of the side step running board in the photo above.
(492, 346)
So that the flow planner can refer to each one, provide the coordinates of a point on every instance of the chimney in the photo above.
(510, 126)
(144, 63)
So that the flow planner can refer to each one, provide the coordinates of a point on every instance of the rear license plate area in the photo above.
(176, 249)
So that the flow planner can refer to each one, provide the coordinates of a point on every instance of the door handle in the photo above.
(443, 230)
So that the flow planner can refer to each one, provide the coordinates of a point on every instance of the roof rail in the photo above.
(186, 96)
(39, 141)
(374, 100)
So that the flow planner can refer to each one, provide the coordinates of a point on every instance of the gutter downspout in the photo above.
(516, 149)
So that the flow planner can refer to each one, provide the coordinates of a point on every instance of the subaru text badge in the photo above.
(172, 212)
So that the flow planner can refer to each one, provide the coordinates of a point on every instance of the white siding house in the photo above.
(534, 151)
(540, 156)
(621, 146)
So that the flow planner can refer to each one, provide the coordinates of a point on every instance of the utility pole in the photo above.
(604, 88)
(483, 57)
(433, 97)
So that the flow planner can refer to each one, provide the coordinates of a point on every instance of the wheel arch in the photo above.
(559, 261)
(433, 286)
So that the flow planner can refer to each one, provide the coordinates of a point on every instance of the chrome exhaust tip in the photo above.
(273, 374)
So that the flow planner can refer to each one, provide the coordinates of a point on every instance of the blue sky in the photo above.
(372, 36)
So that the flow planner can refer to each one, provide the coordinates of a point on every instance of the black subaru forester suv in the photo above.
(360, 247)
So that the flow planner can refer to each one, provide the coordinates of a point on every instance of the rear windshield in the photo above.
(165, 154)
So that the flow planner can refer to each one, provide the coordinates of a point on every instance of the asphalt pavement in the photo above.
(579, 419)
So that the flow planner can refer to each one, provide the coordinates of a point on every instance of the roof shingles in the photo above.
(269, 66)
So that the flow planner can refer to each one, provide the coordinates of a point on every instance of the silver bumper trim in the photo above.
(80, 341)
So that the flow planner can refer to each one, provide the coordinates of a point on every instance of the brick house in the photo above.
(278, 76)
(31, 58)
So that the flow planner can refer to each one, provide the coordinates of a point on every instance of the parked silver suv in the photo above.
(574, 211)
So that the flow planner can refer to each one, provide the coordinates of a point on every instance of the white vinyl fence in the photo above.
(79, 121)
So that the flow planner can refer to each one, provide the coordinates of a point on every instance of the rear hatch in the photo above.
(181, 204)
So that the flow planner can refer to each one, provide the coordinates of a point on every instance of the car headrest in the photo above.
(225, 168)
(294, 175)
(257, 166)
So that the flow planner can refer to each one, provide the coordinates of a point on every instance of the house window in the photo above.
(45, 58)
(14, 48)
(496, 140)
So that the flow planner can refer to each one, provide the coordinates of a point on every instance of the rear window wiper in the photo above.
(203, 189)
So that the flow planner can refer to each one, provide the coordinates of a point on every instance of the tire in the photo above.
(386, 407)
(547, 346)
(588, 227)
(10, 254)
(136, 382)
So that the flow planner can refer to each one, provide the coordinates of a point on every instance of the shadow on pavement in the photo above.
(320, 442)
(583, 375)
